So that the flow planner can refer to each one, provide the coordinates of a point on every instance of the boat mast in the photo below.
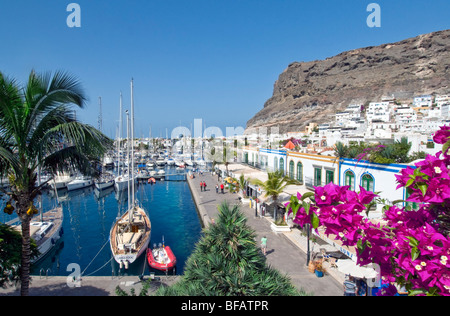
(128, 160)
(132, 145)
(120, 136)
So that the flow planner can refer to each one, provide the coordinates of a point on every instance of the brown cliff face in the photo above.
(313, 91)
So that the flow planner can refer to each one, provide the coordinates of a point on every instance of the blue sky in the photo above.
(211, 59)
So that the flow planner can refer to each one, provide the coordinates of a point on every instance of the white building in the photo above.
(379, 111)
(442, 99)
(405, 114)
(423, 101)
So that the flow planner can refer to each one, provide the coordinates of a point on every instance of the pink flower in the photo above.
(442, 135)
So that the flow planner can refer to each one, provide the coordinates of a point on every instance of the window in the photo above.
(275, 164)
(410, 205)
(329, 176)
(349, 179)
(317, 177)
(299, 171)
(282, 165)
(367, 182)
(291, 169)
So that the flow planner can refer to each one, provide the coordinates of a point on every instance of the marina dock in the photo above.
(286, 252)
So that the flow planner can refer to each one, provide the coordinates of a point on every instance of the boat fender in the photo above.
(126, 264)
(53, 241)
(121, 264)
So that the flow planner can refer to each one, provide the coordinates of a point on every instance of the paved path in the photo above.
(284, 250)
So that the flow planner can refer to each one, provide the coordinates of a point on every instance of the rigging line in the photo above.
(100, 268)
(107, 241)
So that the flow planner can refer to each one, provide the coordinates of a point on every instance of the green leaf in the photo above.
(413, 242)
(314, 220)
(295, 208)
(423, 188)
(307, 195)
(409, 182)
(306, 206)
(415, 253)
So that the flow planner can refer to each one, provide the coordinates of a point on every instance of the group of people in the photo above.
(202, 186)
(355, 287)
(221, 188)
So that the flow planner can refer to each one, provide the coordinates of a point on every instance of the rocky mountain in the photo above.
(313, 91)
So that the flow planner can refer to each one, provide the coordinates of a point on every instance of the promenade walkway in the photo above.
(284, 250)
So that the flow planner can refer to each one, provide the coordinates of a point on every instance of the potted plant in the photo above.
(318, 269)
(280, 226)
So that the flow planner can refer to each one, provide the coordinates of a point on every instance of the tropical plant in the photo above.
(340, 150)
(38, 130)
(242, 184)
(274, 185)
(10, 255)
(227, 262)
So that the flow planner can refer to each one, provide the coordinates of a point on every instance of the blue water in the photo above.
(89, 216)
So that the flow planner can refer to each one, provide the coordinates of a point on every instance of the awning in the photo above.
(348, 266)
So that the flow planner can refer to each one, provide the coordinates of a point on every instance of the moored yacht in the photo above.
(79, 182)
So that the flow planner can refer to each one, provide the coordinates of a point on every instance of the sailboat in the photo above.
(130, 235)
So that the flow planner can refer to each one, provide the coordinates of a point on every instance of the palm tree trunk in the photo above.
(26, 250)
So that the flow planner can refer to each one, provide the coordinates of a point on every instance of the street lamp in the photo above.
(256, 203)
(308, 253)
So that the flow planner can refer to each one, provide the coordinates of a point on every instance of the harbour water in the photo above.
(90, 214)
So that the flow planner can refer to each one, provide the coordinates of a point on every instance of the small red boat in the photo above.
(161, 258)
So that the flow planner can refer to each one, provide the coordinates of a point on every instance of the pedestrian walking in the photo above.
(264, 245)
(204, 186)
(201, 186)
(217, 188)
(221, 187)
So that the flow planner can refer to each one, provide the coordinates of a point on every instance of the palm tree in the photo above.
(242, 183)
(274, 185)
(38, 130)
(227, 261)
(340, 150)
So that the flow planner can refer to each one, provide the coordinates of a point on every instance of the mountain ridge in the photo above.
(314, 91)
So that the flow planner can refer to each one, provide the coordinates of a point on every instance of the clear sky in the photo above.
(211, 59)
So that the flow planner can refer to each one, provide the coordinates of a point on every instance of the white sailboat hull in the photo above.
(104, 184)
(121, 183)
(128, 246)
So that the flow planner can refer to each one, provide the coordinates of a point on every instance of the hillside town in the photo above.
(310, 156)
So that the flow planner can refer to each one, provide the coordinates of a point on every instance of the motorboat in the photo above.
(46, 230)
(105, 181)
(161, 258)
(170, 162)
(189, 162)
(79, 183)
(61, 180)
(143, 174)
(160, 162)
